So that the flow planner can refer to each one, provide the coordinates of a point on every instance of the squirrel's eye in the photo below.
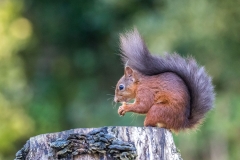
(121, 87)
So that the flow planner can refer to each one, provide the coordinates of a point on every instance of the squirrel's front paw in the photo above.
(121, 110)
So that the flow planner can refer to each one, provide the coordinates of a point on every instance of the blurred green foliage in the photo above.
(15, 123)
(59, 66)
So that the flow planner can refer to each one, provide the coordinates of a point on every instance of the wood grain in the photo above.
(151, 144)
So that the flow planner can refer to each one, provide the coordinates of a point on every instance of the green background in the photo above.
(59, 65)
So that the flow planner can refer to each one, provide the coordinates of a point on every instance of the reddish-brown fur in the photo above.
(163, 98)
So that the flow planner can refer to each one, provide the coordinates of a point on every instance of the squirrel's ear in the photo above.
(128, 71)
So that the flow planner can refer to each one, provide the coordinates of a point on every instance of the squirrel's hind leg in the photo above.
(153, 118)
(165, 116)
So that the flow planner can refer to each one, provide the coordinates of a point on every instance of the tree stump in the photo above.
(107, 143)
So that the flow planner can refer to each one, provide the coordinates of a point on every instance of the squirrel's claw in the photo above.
(121, 111)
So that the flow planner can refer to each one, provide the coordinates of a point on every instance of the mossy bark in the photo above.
(107, 143)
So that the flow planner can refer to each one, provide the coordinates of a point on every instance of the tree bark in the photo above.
(107, 143)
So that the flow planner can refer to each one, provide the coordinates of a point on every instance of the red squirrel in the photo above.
(174, 92)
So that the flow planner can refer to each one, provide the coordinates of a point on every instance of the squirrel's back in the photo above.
(136, 55)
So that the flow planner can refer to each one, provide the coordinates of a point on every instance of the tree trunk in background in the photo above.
(107, 143)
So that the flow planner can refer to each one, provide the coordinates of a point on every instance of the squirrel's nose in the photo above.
(116, 100)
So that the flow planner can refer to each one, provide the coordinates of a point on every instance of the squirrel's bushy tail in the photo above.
(136, 55)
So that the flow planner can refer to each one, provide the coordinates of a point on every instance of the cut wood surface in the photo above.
(107, 143)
